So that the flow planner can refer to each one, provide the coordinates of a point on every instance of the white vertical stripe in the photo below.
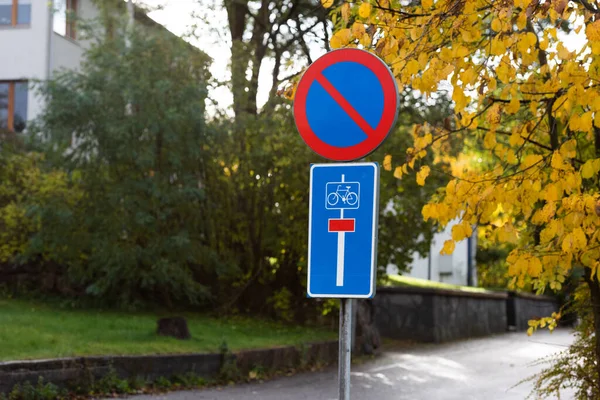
(339, 280)
(340, 259)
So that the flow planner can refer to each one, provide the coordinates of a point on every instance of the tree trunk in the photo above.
(236, 14)
(593, 283)
(595, 297)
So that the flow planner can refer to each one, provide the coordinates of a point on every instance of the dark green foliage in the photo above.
(259, 211)
(259, 193)
(162, 383)
(167, 209)
(229, 370)
(41, 391)
(130, 131)
(492, 268)
(27, 185)
(304, 359)
(111, 383)
(189, 380)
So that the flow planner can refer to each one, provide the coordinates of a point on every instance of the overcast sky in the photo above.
(213, 38)
(180, 15)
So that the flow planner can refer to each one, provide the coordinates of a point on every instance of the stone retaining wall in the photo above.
(438, 315)
(70, 372)
(406, 313)
(521, 307)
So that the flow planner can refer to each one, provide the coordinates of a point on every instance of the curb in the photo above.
(81, 371)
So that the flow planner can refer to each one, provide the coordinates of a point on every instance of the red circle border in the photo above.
(390, 105)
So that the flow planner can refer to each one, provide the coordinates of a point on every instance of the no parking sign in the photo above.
(346, 103)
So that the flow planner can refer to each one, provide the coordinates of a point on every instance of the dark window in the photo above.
(24, 12)
(4, 105)
(13, 106)
(6, 12)
(15, 12)
(20, 114)
(65, 13)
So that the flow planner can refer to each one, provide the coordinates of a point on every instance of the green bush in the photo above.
(130, 128)
(576, 367)
(162, 208)
(41, 391)
(27, 186)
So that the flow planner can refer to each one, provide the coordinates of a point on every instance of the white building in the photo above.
(36, 38)
(452, 268)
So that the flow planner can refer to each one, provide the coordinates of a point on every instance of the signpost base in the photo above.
(345, 348)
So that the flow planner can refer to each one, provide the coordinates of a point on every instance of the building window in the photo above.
(65, 12)
(13, 106)
(15, 12)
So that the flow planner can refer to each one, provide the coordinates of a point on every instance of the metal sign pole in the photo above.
(340, 139)
(345, 348)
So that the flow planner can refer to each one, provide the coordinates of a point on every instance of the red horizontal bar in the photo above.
(341, 225)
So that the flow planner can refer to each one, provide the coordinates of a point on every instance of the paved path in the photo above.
(478, 369)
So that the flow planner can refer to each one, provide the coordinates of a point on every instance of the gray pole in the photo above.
(345, 348)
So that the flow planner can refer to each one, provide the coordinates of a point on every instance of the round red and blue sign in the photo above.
(346, 104)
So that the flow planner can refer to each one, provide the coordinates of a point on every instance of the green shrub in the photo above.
(111, 383)
(137, 235)
(281, 301)
(27, 186)
(41, 391)
(575, 367)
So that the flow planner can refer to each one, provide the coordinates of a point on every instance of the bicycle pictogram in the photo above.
(342, 195)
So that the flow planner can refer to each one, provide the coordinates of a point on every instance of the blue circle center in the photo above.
(361, 88)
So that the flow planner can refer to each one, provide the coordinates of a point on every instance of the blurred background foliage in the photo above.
(127, 195)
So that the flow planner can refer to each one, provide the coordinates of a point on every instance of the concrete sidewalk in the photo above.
(477, 369)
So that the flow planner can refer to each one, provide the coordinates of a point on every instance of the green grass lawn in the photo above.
(400, 280)
(32, 330)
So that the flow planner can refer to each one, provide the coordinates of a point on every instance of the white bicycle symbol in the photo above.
(345, 195)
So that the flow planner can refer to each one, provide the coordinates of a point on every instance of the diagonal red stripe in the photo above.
(346, 106)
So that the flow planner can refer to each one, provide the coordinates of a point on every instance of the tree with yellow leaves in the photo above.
(524, 76)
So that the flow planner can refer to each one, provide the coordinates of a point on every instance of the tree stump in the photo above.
(173, 326)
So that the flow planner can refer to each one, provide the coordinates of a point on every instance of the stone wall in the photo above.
(466, 316)
(404, 314)
(82, 371)
(521, 307)
(434, 315)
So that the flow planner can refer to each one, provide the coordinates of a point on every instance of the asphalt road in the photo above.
(478, 369)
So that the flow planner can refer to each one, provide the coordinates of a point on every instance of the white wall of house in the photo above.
(25, 50)
(34, 51)
(444, 268)
(67, 52)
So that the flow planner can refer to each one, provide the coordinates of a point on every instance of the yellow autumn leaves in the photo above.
(364, 10)
(550, 322)
(422, 57)
(526, 99)
(592, 31)
(590, 169)
(423, 174)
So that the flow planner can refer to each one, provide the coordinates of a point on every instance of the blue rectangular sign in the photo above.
(342, 230)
